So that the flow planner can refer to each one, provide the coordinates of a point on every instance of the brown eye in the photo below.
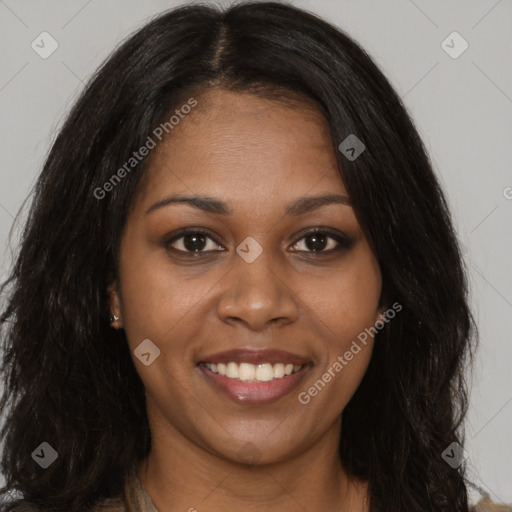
(322, 241)
(193, 241)
(316, 241)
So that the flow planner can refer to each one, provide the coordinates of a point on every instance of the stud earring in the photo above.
(113, 319)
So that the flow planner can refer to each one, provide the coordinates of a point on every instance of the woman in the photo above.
(239, 285)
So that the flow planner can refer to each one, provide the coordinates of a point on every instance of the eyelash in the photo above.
(344, 242)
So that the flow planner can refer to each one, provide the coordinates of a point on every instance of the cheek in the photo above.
(157, 300)
(347, 301)
(346, 308)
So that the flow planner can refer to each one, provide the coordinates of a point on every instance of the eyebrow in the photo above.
(212, 205)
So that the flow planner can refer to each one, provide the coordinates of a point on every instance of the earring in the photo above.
(113, 319)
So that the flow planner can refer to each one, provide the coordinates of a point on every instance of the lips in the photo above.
(254, 376)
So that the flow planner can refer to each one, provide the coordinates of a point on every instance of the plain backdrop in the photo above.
(462, 107)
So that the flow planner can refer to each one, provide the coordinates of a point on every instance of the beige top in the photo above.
(136, 499)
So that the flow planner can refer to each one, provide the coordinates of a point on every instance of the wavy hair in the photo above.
(69, 377)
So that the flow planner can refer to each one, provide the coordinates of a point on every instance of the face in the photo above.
(250, 289)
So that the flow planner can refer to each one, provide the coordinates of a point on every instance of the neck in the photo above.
(193, 478)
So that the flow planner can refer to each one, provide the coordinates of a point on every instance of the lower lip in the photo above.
(255, 393)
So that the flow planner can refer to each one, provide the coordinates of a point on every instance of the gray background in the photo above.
(462, 108)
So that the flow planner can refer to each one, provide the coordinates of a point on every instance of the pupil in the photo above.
(318, 242)
(194, 242)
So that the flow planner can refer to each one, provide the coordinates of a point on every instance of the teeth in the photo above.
(264, 372)
(278, 371)
(232, 370)
(248, 372)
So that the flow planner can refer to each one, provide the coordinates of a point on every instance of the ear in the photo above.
(380, 316)
(383, 307)
(114, 304)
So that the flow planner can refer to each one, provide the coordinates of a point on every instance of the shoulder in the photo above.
(23, 506)
(108, 505)
(480, 500)
(485, 505)
(127, 501)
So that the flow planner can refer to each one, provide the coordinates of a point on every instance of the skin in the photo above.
(258, 156)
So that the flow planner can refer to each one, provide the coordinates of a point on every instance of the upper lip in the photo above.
(244, 355)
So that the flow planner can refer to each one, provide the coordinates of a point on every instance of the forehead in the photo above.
(240, 146)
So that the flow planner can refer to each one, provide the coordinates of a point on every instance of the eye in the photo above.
(200, 241)
(193, 241)
(322, 240)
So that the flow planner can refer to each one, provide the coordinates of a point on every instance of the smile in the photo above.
(254, 377)
(248, 372)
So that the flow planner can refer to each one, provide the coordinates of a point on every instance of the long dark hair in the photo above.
(69, 377)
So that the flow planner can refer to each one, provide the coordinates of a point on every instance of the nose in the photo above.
(257, 295)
